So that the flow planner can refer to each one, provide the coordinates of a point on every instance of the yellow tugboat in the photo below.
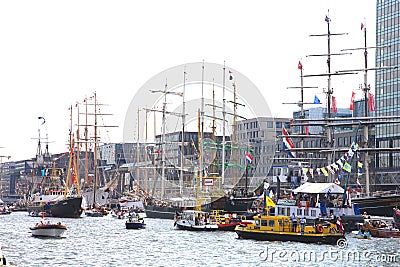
(288, 228)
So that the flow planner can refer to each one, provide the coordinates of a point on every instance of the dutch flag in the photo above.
(287, 143)
(231, 75)
(249, 158)
(339, 224)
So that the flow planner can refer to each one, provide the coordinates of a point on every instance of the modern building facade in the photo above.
(387, 90)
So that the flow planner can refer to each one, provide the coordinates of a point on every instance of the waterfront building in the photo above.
(387, 90)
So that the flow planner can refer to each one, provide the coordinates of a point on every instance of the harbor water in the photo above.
(104, 241)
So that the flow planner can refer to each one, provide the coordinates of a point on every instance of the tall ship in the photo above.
(347, 148)
(96, 193)
(54, 192)
(196, 161)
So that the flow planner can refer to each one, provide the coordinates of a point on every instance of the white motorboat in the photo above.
(193, 220)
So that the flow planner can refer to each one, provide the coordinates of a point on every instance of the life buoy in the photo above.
(320, 228)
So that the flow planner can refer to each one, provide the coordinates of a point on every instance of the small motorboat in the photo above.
(5, 210)
(380, 228)
(47, 229)
(194, 220)
(39, 214)
(135, 222)
(3, 261)
(94, 213)
(227, 221)
(363, 235)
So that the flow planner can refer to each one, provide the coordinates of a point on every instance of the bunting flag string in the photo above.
(339, 167)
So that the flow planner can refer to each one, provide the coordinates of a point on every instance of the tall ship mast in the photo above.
(96, 191)
(211, 170)
(63, 200)
(374, 205)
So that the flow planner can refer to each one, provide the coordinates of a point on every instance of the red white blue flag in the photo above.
(287, 143)
(353, 95)
(339, 224)
(231, 75)
(371, 102)
(300, 66)
(249, 158)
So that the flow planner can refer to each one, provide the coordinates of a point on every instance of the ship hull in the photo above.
(135, 225)
(159, 212)
(263, 236)
(239, 206)
(191, 227)
(48, 230)
(65, 208)
(378, 206)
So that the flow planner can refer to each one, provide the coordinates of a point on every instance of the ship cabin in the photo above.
(285, 224)
(315, 200)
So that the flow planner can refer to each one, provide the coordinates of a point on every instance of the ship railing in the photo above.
(381, 193)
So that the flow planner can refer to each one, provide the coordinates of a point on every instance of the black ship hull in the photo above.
(65, 208)
(135, 225)
(240, 206)
(319, 239)
(162, 212)
(243, 206)
(378, 206)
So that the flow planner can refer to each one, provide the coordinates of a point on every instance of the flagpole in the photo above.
(223, 127)
(302, 116)
(183, 132)
(329, 90)
(201, 127)
(329, 94)
(366, 106)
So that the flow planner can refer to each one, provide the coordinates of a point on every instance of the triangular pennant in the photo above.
(340, 163)
(335, 166)
(330, 169)
(324, 171)
(347, 167)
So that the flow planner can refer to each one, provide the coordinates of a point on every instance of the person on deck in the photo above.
(302, 224)
(294, 222)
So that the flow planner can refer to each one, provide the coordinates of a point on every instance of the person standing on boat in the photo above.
(294, 222)
(302, 224)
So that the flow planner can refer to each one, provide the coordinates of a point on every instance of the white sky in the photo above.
(54, 53)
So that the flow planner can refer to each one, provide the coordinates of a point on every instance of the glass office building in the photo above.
(387, 91)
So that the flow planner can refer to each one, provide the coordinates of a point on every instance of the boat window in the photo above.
(264, 223)
(306, 212)
(258, 223)
(271, 223)
(281, 211)
(313, 213)
(299, 212)
(280, 222)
